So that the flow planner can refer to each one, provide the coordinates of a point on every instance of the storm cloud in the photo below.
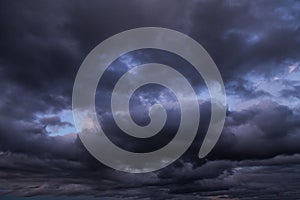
(255, 45)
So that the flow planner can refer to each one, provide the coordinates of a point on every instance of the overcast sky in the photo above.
(256, 46)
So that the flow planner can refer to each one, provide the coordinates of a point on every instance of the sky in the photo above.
(256, 47)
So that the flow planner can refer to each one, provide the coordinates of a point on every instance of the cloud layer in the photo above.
(255, 45)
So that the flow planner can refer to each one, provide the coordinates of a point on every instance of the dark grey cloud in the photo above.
(41, 50)
(248, 36)
(242, 88)
(80, 174)
(54, 121)
(248, 179)
(263, 130)
(42, 45)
